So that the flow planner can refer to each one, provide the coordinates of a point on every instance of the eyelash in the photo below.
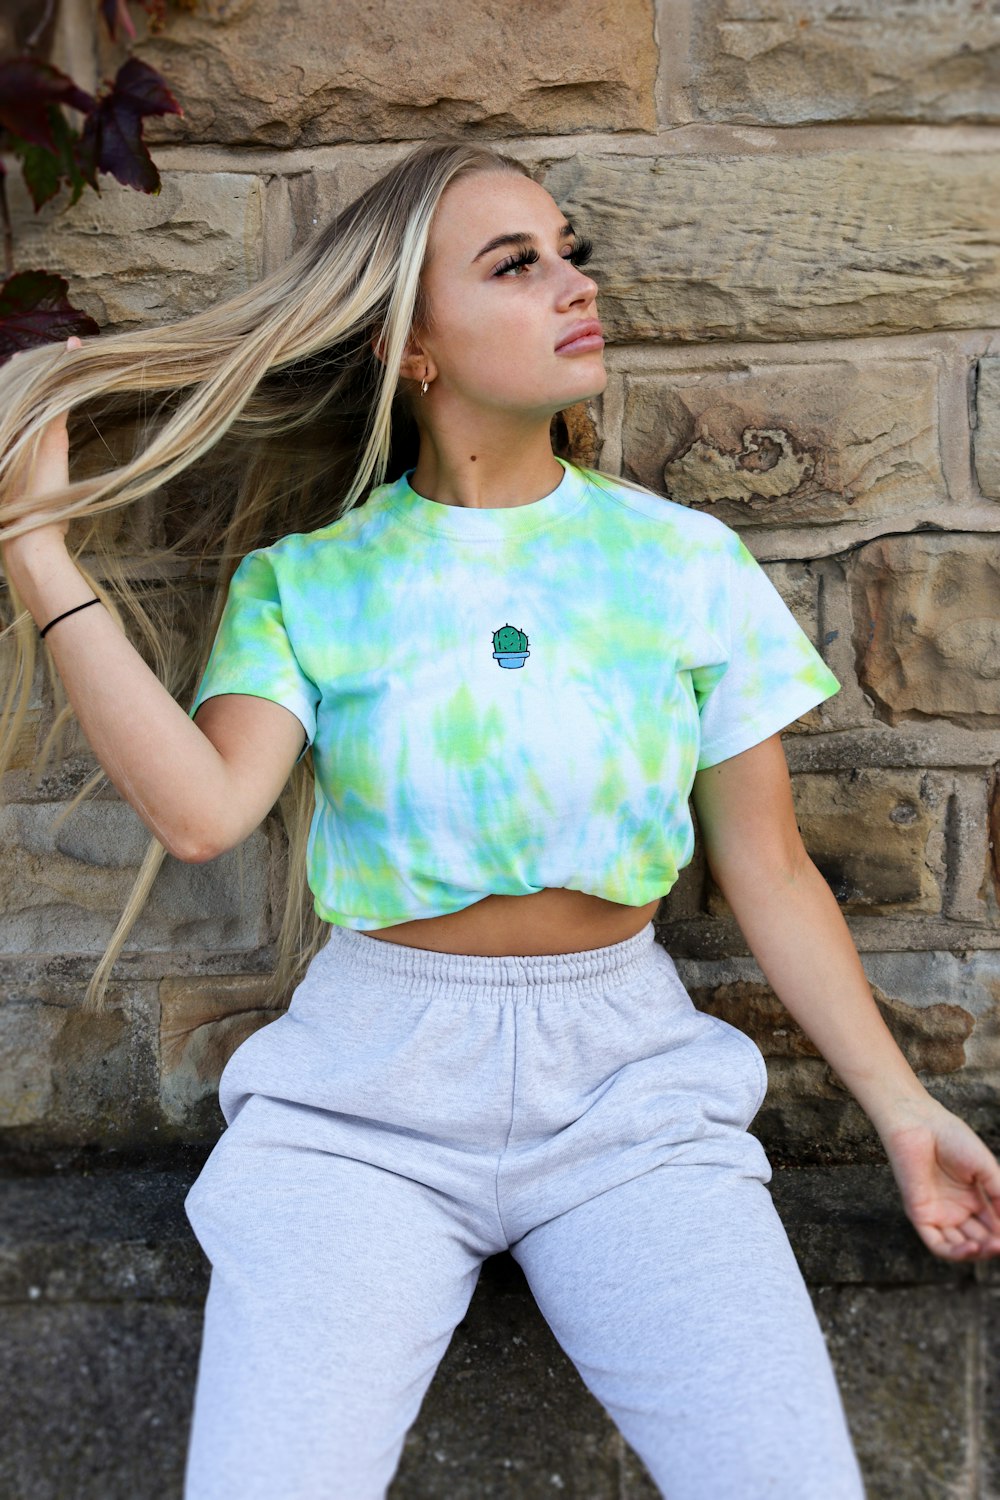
(579, 255)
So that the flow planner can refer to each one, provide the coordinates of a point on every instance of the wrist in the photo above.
(45, 576)
(903, 1111)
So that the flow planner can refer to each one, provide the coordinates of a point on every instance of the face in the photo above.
(495, 323)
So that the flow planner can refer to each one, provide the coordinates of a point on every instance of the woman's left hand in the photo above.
(949, 1179)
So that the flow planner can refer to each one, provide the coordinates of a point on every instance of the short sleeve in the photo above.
(772, 673)
(252, 652)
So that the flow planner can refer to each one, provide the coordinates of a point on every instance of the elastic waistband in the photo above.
(465, 975)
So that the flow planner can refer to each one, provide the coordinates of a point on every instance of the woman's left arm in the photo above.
(948, 1177)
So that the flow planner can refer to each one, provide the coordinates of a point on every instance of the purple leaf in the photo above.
(27, 89)
(34, 310)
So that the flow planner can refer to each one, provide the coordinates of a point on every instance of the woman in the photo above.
(510, 673)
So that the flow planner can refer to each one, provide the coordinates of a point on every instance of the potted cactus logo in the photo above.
(510, 646)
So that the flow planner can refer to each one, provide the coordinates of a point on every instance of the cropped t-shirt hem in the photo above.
(777, 716)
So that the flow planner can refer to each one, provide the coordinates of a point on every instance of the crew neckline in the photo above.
(493, 523)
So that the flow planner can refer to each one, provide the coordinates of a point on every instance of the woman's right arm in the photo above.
(199, 787)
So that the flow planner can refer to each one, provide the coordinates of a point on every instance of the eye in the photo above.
(579, 255)
(581, 252)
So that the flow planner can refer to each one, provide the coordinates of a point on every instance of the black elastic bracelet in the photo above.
(41, 633)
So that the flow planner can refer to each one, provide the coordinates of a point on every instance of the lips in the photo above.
(592, 326)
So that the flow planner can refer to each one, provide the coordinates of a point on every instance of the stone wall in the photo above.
(796, 217)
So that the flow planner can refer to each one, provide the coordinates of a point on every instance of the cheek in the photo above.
(490, 338)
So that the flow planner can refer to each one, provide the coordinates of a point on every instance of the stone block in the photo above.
(137, 259)
(876, 836)
(96, 1399)
(507, 1414)
(787, 245)
(942, 1008)
(791, 445)
(902, 1358)
(63, 888)
(68, 1076)
(202, 1022)
(991, 1396)
(986, 435)
(277, 73)
(881, 62)
(927, 627)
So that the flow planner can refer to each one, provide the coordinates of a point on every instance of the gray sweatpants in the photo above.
(416, 1112)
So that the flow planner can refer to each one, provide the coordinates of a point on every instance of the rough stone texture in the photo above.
(902, 1358)
(927, 627)
(790, 445)
(986, 436)
(877, 837)
(943, 1009)
(110, 1386)
(991, 1395)
(278, 73)
(137, 260)
(102, 1288)
(864, 472)
(846, 243)
(202, 1022)
(869, 61)
(64, 888)
(65, 1075)
(904, 867)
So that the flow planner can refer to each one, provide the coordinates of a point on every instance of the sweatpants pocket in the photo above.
(758, 1078)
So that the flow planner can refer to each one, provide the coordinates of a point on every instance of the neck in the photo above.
(490, 471)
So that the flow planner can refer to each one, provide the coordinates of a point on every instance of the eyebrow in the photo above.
(520, 239)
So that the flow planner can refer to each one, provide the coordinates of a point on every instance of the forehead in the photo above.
(477, 208)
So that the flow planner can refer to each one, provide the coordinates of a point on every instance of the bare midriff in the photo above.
(553, 920)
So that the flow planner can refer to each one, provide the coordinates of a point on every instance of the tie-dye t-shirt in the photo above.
(500, 700)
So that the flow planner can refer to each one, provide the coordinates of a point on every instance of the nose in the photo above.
(581, 288)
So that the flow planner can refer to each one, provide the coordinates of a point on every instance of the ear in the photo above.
(415, 364)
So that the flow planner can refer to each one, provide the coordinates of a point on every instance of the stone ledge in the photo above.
(122, 1235)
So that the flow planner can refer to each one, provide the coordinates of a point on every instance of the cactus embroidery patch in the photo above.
(510, 646)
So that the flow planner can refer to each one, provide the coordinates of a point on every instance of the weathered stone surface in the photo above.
(927, 626)
(97, 1399)
(101, 1235)
(507, 1414)
(64, 888)
(789, 445)
(986, 436)
(901, 1356)
(931, 1038)
(874, 61)
(991, 1395)
(876, 836)
(279, 73)
(70, 1076)
(943, 1008)
(137, 259)
(202, 1022)
(107, 1260)
(838, 244)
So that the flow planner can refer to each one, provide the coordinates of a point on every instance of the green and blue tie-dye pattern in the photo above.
(504, 700)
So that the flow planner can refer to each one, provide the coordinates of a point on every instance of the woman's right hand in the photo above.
(49, 474)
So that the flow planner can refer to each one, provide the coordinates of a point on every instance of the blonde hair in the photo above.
(278, 398)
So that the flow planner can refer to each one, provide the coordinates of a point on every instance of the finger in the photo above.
(991, 1210)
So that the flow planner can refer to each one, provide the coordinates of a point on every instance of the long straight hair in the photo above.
(276, 409)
